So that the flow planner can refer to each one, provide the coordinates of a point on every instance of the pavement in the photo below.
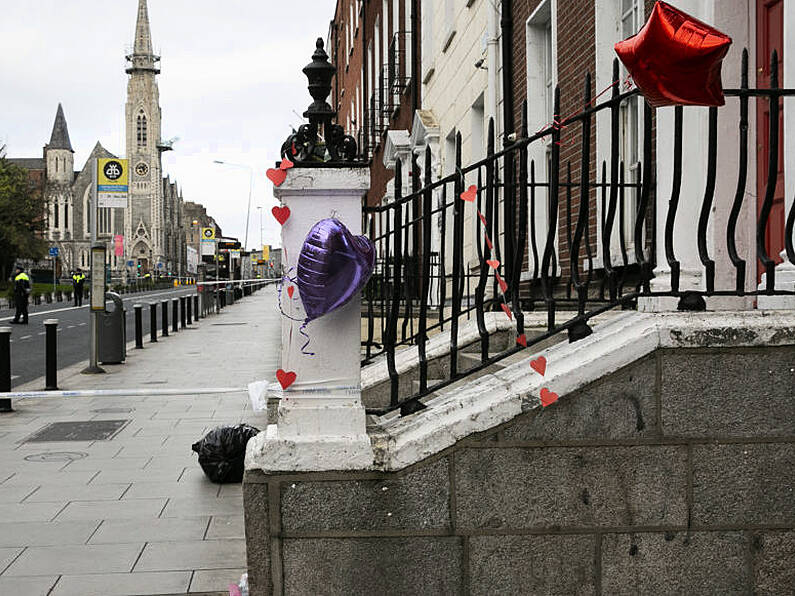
(27, 341)
(134, 514)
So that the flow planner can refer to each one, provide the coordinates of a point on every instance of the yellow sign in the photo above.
(208, 233)
(266, 251)
(112, 182)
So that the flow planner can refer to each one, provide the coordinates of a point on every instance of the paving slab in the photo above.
(7, 556)
(226, 526)
(27, 586)
(154, 530)
(46, 533)
(143, 509)
(123, 584)
(72, 560)
(100, 492)
(207, 554)
(212, 580)
(30, 511)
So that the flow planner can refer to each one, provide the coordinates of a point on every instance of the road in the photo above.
(27, 341)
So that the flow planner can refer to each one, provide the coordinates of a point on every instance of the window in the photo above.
(66, 216)
(140, 129)
(55, 209)
(104, 220)
(630, 23)
(427, 41)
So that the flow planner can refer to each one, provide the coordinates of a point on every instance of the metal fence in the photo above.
(433, 246)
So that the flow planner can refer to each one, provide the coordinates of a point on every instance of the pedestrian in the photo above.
(78, 279)
(21, 292)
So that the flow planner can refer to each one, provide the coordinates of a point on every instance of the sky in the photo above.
(231, 87)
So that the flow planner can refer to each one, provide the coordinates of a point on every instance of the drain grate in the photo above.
(86, 430)
(56, 456)
(113, 410)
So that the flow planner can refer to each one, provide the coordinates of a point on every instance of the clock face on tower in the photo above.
(141, 169)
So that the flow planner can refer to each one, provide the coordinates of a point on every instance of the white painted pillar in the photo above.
(785, 271)
(321, 419)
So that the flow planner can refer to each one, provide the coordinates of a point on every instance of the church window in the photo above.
(66, 217)
(55, 209)
(104, 220)
(140, 129)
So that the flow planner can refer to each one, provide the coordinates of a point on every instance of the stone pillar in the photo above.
(320, 418)
(785, 271)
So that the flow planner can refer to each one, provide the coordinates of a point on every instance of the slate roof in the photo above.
(60, 133)
(29, 163)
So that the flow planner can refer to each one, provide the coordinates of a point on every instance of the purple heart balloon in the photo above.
(334, 265)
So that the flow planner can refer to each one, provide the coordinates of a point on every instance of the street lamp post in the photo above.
(250, 189)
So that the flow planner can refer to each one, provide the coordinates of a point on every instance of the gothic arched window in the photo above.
(140, 129)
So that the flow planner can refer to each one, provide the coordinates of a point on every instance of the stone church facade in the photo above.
(152, 225)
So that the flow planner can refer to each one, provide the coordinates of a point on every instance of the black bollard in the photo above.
(182, 313)
(51, 350)
(153, 322)
(139, 327)
(196, 308)
(175, 315)
(5, 368)
(165, 318)
(189, 304)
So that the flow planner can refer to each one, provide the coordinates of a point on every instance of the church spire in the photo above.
(143, 58)
(59, 139)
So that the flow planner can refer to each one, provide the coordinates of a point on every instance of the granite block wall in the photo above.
(674, 475)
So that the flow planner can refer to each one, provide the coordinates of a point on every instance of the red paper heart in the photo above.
(506, 310)
(286, 164)
(276, 176)
(285, 378)
(539, 365)
(290, 291)
(522, 340)
(282, 214)
(470, 194)
(547, 397)
(493, 263)
(501, 282)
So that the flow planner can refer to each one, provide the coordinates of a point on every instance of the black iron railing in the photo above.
(432, 245)
(398, 67)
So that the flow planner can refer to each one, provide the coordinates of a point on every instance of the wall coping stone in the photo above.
(494, 399)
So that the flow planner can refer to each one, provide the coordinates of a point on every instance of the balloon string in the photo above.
(302, 331)
(304, 322)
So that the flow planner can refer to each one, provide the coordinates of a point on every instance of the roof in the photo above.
(60, 133)
(29, 163)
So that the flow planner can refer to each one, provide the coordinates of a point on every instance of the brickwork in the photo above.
(349, 58)
(622, 487)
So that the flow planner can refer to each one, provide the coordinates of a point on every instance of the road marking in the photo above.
(25, 337)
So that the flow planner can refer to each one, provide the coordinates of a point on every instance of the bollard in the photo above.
(153, 322)
(139, 327)
(165, 318)
(189, 304)
(175, 315)
(182, 316)
(5, 368)
(51, 351)
(196, 308)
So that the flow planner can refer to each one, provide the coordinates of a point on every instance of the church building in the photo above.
(149, 235)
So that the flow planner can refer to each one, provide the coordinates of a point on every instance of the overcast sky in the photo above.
(231, 80)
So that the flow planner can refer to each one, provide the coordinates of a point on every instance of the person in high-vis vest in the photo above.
(21, 292)
(78, 279)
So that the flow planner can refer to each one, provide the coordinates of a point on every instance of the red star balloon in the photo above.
(676, 59)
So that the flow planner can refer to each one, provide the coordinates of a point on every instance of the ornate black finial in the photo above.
(320, 140)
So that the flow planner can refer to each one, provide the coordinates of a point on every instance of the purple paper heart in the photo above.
(333, 266)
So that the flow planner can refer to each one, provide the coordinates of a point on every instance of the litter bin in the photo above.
(113, 331)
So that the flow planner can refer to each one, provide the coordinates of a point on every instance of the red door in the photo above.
(769, 37)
